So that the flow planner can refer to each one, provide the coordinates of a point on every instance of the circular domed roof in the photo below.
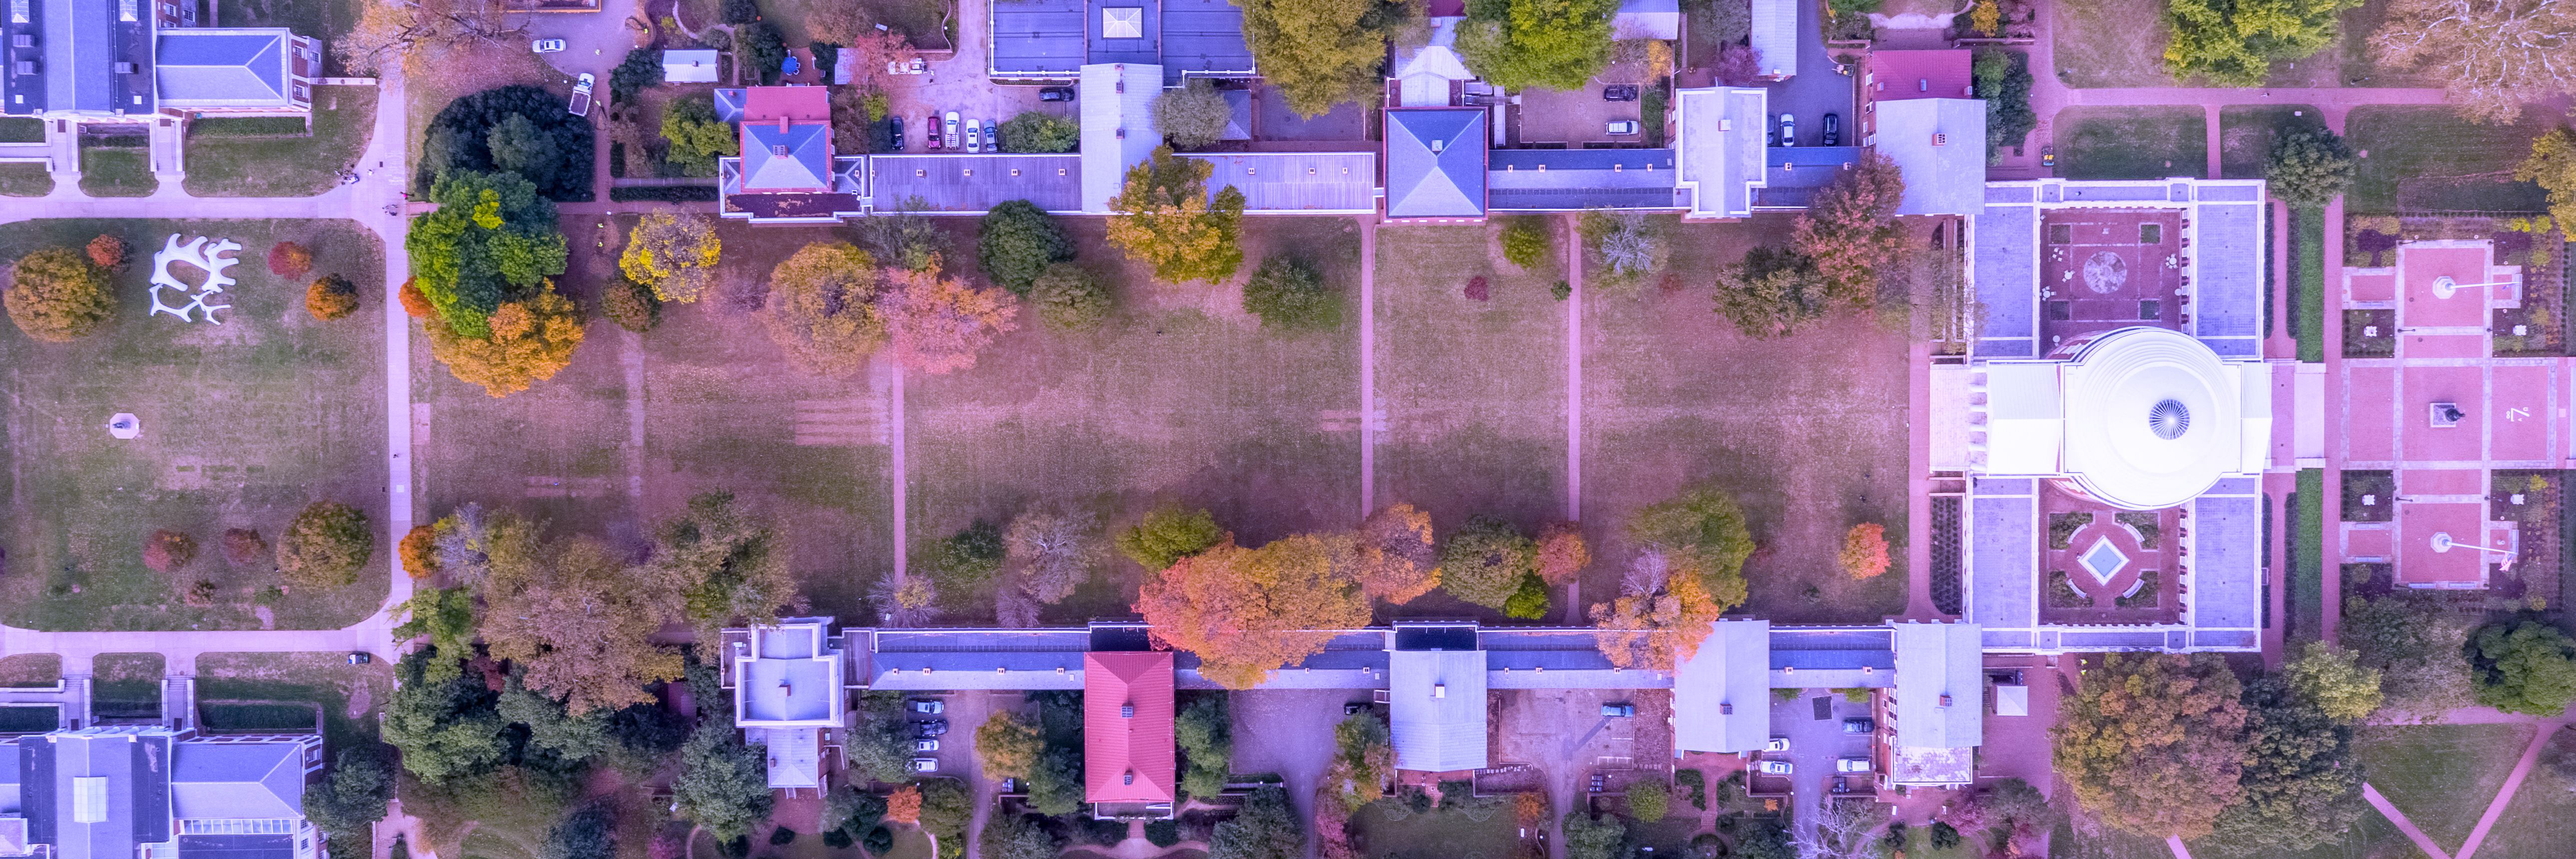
(2152, 418)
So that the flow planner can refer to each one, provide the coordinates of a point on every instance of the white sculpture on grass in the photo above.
(212, 259)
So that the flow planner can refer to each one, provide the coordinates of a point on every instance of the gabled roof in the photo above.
(1127, 726)
(1940, 144)
(223, 67)
(1435, 162)
(1647, 19)
(795, 103)
(1238, 114)
(237, 781)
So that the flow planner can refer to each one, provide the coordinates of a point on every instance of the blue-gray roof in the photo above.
(1055, 38)
(796, 159)
(223, 67)
(2227, 304)
(729, 102)
(1563, 179)
(236, 847)
(1791, 174)
(2227, 567)
(1203, 37)
(77, 45)
(975, 183)
(2003, 556)
(1435, 163)
(2006, 239)
(237, 781)
(1037, 36)
(1139, 17)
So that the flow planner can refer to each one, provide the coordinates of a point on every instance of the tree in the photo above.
(1289, 295)
(729, 566)
(1164, 217)
(2333, 679)
(1485, 561)
(937, 324)
(2235, 42)
(57, 295)
(243, 547)
(1662, 614)
(2309, 168)
(352, 797)
(1168, 534)
(2301, 787)
(1193, 116)
(1562, 554)
(1320, 53)
(822, 309)
(943, 808)
(578, 623)
(290, 260)
(1629, 245)
(2491, 57)
(446, 728)
(2011, 808)
(325, 545)
(902, 236)
(525, 342)
(674, 255)
(1364, 758)
(1247, 611)
(519, 146)
(1017, 242)
(1549, 44)
(1032, 131)
(2553, 165)
(848, 810)
(1530, 602)
(2002, 78)
(760, 48)
(588, 833)
(2153, 743)
(1650, 800)
(1013, 836)
(1849, 229)
(908, 601)
(1396, 560)
(165, 551)
(1055, 784)
(2526, 667)
(696, 137)
(1701, 530)
(109, 252)
(880, 746)
(1864, 554)
(2416, 646)
(420, 36)
(633, 306)
(1006, 746)
(459, 139)
(415, 303)
(1053, 550)
(904, 805)
(569, 736)
(1589, 836)
(1771, 293)
(331, 297)
(641, 70)
(1071, 298)
(722, 785)
(1266, 828)
(1525, 241)
(1205, 735)
(491, 241)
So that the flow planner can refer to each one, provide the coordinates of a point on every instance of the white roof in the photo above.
(2012, 700)
(2153, 418)
(2024, 418)
(1722, 694)
(1423, 75)
(1647, 19)
(1775, 36)
(1116, 97)
(693, 66)
(1436, 709)
(789, 675)
(1940, 689)
(1940, 144)
(795, 756)
(1718, 149)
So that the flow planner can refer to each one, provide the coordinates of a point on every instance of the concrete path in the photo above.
(1918, 483)
(2174, 843)
(1369, 419)
(2512, 782)
(2422, 842)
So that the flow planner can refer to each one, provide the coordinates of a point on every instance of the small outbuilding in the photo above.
(689, 67)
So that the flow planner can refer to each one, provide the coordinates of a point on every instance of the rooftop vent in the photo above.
(1437, 144)
(1128, 777)
(1922, 84)
(1126, 711)
(779, 150)
(1726, 709)
(1939, 139)
(1440, 690)
(26, 67)
(23, 40)
(1945, 699)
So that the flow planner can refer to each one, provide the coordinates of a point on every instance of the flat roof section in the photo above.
(974, 184)
(1037, 37)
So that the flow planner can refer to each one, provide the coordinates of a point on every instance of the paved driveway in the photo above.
(1816, 89)
(1814, 745)
(1289, 732)
(595, 42)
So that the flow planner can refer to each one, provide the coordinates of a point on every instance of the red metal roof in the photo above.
(1127, 753)
(1901, 75)
(798, 104)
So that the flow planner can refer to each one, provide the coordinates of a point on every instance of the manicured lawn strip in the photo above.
(2307, 555)
(223, 165)
(25, 180)
(30, 669)
(2310, 311)
(2441, 776)
(2428, 158)
(126, 685)
(246, 718)
(2132, 142)
(1387, 829)
(212, 400)
(21, 129)
(2245, 135)
(117, 172)
(2540, 823)
(282, 682)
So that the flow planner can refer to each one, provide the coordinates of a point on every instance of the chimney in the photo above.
(1939, 139)
(1126, 711)
(1726, 709)
(1438, 144)
(1945, 699)
(1439, 690)
(782, 123)
(1922, 84)
(779, 150)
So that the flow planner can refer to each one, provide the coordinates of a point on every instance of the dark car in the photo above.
(1619, 92)
(929, 729)
(1833, 129)
(894, 133)
(1056, 93)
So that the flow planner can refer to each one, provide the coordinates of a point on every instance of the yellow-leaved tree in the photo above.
(1164, 217)
(674, 255)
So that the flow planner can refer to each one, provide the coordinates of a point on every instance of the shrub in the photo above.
(972, 555)
(837, 839)
(289, 260)
(1864, 554)
(165, 551)
(782, 835)
(415, 303)
(1168, 534)
(1289, 295)
(1528, 603)
(325, 545)
(1525, 242)
(1032, 131)
(58, 295)
(1070, 297)
(664, 194)
(1164, 833)
(1649, 801)
(878, 841)
(419, 551)
(1016, 241)
(331, 297)
(243, 547)
(739, 12)
(629, 304)
(759, 47)
(109, 252)
(1477, 289)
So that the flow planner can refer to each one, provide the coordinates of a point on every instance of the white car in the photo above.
(1619, 127)
(547, 46)
(1775, 767)
(899, 67)
(929, 706)
(925, 745)
(948, 129)
(1851, 765)
(925, 765)
(580, 105)
(1777, 744)
(974, 135)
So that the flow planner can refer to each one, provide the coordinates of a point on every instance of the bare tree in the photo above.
(419, 32)
(2492, 55)
(904, 601)
(1054, 551)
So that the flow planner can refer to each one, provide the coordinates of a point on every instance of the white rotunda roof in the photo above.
(2153, 418)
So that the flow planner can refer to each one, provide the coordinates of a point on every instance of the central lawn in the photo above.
(2540, 823)
(2110, 43)
(2441, 776)
(1807, 431)
(1388, 830)
(25, 180)
(22, 129)
(1181, 398)
(2428, 158)
(2246, 133)
(1474, 391)
(290, 687)
(220, 165)
(112, 171)
(244, 423)
(2132, 142)
(2307, 556)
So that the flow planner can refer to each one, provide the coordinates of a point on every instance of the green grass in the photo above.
(2309, 307)
(1436, 835)
(327, 20)
(226, 162)
(346, 694)
(295, 718)
(21, 129)
(2428, 158)
(2307, 555)
(2441, 776)
(2111, 43)
(25, 180)
(2540, 823)
(117, 172)
(30, 669)
(2245, 134)
(2132, 142)
(126, 685)
(213, 401)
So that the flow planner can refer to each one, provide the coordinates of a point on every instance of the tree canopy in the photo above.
(2002, 79)
(2333, 680)
(1248, 611)
(1016, 242)
(2301, 786)
(325, 545)
(2235, 42)
(939, 324)
(822, 308)
(729, 565)
(1772, 292)
(1320, 53)
(1193, 116)
(491, 241)
(2154, 744)
(1071, 298)
(58, 295)
(1703, 530)
(2416, 646)
(459, 138)
(1167, 534)
(1164, 217)
(446, 728)
(1007, 746)
(1486, 560)
(2525, 667)
(2552, 165)
(674, 255)
(1289, 295)
(1204, 733)
(1032, 131)
(1552, 44)
(525, 342)
(723, 784)
(2491, 56)
(696, 137)
(577, 621)
(1849, 229)
(421, 35)
(2309, 168)
(1397, 562)
(1052, 551)
(1265, 828)
(1662, 613)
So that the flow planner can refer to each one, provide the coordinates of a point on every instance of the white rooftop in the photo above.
(789, 676)
(2140, 418)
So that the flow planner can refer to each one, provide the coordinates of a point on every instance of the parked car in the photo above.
(1620, 127)
(361, 657)
(900, 67)
(1788, 130)
(930, 130)
(1777, 744)
(1833, 129)
(1056, 93)
(925, 745)
(948, 126)
(1599, 781)
(1842, 785)
(1619, 92)
(1851, 765)
(931, 706)
(1620, 710)
(547, 46)
(581, 95)
(974, 135)
(1859, 726)
(894, 133)
(925, 765)
(1775, 767)
(929, 729)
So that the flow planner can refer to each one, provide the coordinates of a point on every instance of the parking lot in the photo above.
(965, 711)
(1562, 733)
(1574, 117)
(1816, 743)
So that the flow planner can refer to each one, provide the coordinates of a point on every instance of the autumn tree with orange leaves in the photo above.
(937, 324)
(1396, 561)
(1849, 230)
(1562, 554)
(1247, 611)
(1663, 612)
(1864, 554)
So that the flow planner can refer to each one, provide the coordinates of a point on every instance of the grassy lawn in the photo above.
(2540, 823)
(1474, 391)
(323, 19)
(108, 171)
(212, 400)
(472, 69)
(1804, 430)
(22, 129)
(1388, 830)
(289, 687)
(2308, 306)
(2111, 43)
(2441, 776)
(295, 166)
(126, 685)
(2353, 55)
(31, 669)
(2307, 555)
(2245, 135)
(715, 406)
(2132, 142)
(1182, 398)
(25, 180)
(2428, 158)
